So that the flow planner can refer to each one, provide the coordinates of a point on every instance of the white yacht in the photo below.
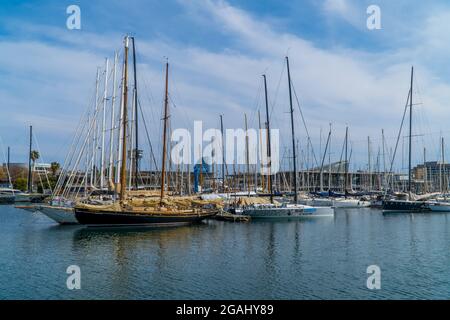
(14, 195)
(437, 206)
(350, 203)
(273, 211)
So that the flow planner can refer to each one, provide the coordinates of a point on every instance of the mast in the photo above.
(269, 159)
(369, 168)
(410, 132)
(111, 140)
(223, 155)
(323, 160)
(293, 132)
(425, 173)
(260, 151)
(441, 175)
(7, 163)
(136, 152)
(166, 116)
(330, 176)
(247, 173)
(94, 133)
(30, 175)
(105, 99)
(384, 158)
(346, 162)
(123, 169)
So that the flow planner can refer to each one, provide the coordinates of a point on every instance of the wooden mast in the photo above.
(136, 122)
(123, 169)
(166, 111)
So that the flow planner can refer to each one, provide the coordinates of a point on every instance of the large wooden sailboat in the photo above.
(128, 210)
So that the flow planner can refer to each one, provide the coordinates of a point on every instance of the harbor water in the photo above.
(324, 258)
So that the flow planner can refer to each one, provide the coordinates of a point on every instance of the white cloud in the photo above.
(365, 90)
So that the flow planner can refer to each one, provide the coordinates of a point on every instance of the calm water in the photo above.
(310, 259)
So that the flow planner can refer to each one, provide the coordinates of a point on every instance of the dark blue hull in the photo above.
(92, 218)
(404, 206)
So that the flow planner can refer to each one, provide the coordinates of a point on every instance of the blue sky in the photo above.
(342, 72)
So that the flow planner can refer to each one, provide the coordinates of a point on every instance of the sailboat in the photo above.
(408, 205)
(440, 204)
(348, 202)
(129, 211)
(274, 210)
(11, 195)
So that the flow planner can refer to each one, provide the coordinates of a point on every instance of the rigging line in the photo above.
(278, 89)
(304, 123)
(4, 158)
(342, 154)
(273, 120)
(186, 119)
(398, 137)
(46, 175)
(148, 136)
(74, 145)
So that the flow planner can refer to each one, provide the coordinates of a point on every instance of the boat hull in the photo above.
(439, 207)
(404, 206)
(62, 215)
(105, 218)
(288, 213)
(350, 203)
(6, 199)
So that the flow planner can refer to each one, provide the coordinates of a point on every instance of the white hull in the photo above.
(318, 202)
(439, 206)
(350, 203)
(287, 212)
(22, 197)
(62, 215)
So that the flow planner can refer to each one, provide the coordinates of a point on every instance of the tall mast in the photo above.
(323, 160)
(223, 154)
(8, 160)
(260, 151)
(346, 162)
(330, 176)
(269, 151)
(369, 168)
(136, 122)
(425, 173)
(111, 140)
(105, 99)
(384, 158)
(410, 131)
(293, 132)
(30, 175)
(123, 169)
(94, 133)
(441, 175)
(166, 115)
(247, 173)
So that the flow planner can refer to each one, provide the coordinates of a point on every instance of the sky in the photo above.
(342, 72)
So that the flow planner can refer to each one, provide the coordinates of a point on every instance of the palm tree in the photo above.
(54, 167)
(34, 156)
